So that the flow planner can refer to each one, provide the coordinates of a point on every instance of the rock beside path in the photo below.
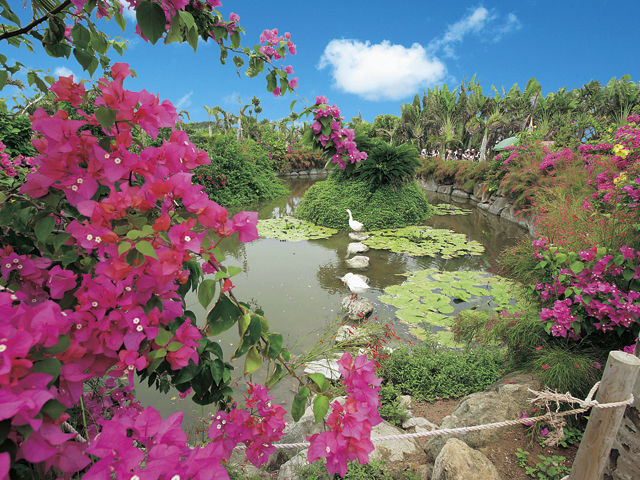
(459, 462)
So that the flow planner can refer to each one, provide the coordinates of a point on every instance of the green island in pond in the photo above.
(422, 240)
(432, 298)
(292, 229)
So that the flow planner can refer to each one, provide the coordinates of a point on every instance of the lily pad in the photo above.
(423, 240)
(292, 229)
(429, 300)
(445, 209)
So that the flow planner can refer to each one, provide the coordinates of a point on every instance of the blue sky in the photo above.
(372, 56)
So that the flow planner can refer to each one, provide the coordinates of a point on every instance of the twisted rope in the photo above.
(550, 416)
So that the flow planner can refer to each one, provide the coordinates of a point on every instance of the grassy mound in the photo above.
(386, 206)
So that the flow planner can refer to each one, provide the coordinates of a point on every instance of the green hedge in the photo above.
(238, 173)
(325, 204)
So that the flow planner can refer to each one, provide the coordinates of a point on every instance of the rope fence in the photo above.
(546, 396)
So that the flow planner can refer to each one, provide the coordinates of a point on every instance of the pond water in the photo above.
(298, 285)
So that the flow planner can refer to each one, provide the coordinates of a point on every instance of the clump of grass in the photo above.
(429, 372)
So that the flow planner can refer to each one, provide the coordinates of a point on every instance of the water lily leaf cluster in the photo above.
(292, 229)
(423, 240)
(429, 300)
(445, 209)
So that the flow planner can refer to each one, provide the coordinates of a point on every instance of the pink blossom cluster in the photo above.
(594, 295)
(555, 158)
(9, 166)
(257, 428)
(110, 329)
(350, 422)
(342, 139)
(272, 41)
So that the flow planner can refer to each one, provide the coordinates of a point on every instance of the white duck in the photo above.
(354, 224)
(355, 284)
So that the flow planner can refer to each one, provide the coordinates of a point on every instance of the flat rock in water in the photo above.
(359, 261)
(457, 461)
(358, 236)
(356, 247)
(357, 308)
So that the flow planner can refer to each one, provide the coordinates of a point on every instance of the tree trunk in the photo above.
(483, 148)
(209, 128)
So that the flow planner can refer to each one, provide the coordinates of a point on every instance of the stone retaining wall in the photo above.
(492, 203)
(301, 173)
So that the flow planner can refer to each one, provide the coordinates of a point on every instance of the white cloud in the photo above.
(64, 72)
(129, 13)
(382, 71)
(512, 23)
(185, 101)
(474, 22)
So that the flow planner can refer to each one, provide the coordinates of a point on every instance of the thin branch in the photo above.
(35, 23)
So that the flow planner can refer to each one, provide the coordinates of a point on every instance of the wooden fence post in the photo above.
(617, 382)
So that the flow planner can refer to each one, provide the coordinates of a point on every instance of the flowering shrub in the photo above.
(592, 290)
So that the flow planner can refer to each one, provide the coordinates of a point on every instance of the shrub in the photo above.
(325, 204)
(239, 173)
(427, 371)
(389, 165)
(15, 133)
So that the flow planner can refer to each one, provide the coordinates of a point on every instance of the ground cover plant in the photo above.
(427, 371)
(429, 300)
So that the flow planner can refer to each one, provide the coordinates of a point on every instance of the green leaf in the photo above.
(123, 247)
(187, 19)
(44, 227)
(59, 239)
(318, 379)
(106, 117)
(206, 292)
(577, 266)
(192, 38)
(50, 366)
(83, 58)
(299, 403)
(187, 373)
(4, 75)
(69, 257)
(253, 361)
(53, 408)
(560, 258)
(151, 20)
(146, 248)
(233, 271)
(163, 337)
(121, 21)
(174, 35)
(217, 370)
(222, 316)
(64, 341)
(275, 345)
(220, 32)
(235, 39)
(81, 36)
(320, 407)
(250, 337)
(243, 323)
(628, 274)
(174, 346)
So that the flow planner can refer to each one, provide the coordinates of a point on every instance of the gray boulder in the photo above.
(290, 469)
(430, 185)
(446, 189)
(498, 205)
(459, 462)
(502, 401)
(391, 450)
(460, 194)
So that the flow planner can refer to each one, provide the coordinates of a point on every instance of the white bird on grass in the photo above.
(355, 284)
(354, 224)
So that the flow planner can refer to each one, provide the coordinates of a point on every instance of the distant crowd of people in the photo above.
(468, 154)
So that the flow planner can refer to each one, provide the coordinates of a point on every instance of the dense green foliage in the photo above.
(389, 165)
(427, 371)
(239, 173)
(561, 364)
(325, 204)
(15, 133)
(373, 470)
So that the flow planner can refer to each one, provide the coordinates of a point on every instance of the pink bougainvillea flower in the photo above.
(65, 89)
(544, 367)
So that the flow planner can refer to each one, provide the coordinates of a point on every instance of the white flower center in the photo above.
(94, 304)
(135, 477)
(130, 367)
(15, 260)
(13, 297)
(74, 188)
(98, 239)
(136, 321)
(79, 180)
(19, 267)
(78, 326)
(118, 161)
(328, 450)
(139, 328)
(89, 237)
(187, 238)
(8, 265)
(106, 155)
(128, 289)
(2, 348)
(34, 300)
